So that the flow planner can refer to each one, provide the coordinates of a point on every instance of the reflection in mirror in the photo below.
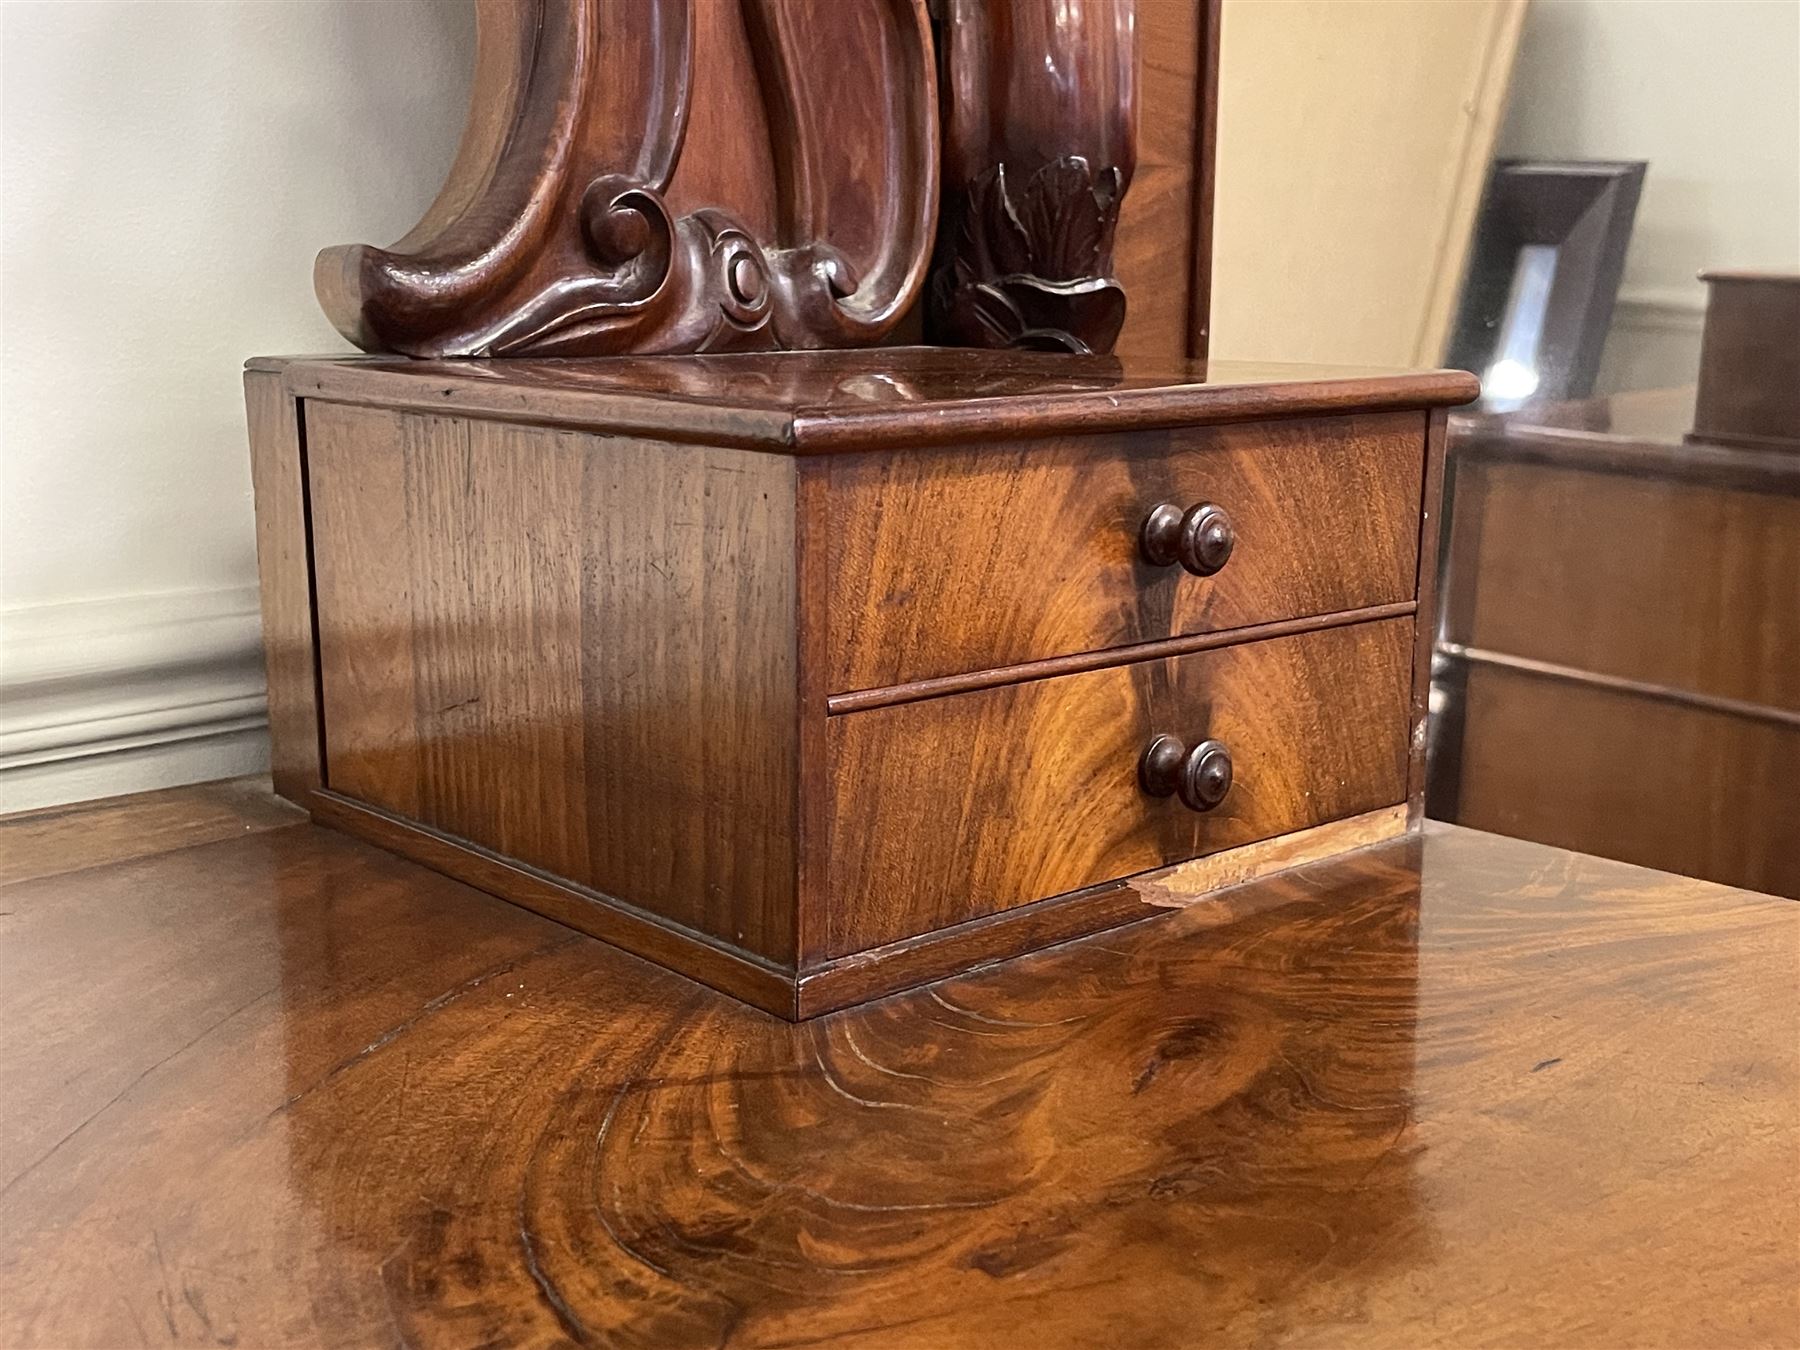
(1543, 273)
(1514, 376)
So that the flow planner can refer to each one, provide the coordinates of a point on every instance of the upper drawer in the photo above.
(961, 559)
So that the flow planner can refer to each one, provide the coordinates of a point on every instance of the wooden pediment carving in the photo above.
(668, 176)
(1040, 142)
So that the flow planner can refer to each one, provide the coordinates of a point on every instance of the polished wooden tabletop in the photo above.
(263, 1085)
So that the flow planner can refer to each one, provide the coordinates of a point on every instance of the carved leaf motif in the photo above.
(1009, 239)
(1063, 220)
(1076, 316)
(1027, 260)
(995, 315)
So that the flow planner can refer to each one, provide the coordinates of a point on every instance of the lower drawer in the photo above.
(957, 807)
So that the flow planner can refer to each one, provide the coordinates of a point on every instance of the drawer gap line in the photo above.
(1620, 684)
(1081, 662)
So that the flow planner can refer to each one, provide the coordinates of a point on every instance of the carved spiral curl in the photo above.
(553, 235)
(743, 286)
(626, 226)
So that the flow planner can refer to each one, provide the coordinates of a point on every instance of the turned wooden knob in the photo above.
(1200, 777)
(1200, 538)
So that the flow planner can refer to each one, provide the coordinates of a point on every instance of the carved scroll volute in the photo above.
(1040, 141)
(555, 234)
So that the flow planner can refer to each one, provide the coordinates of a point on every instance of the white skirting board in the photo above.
(101, 697)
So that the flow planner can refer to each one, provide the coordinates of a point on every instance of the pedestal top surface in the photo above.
(817, 401)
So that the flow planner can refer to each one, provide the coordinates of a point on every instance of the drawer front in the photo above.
(964, 559)
(956, 807)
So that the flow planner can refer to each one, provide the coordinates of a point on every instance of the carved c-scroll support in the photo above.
(553, 234)
(827, 303)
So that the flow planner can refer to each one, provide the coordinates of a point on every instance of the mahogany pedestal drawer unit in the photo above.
(818, 675)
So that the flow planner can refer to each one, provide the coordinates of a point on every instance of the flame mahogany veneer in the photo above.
(817, 675)
(269, 1087)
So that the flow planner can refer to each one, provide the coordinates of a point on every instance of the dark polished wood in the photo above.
(666, 175)
(283, 554)
(670, 175)
(914, 690)
(898, 399)
(1619, 660)
(1040, 143)
(283, 1089)
(578, 655)
(597, 638)
(757, 980)
(55, 840)
(1056, 565)
(1200, 775)
(1433, 509)
(1162, 250)
(1206, 137)
(1200, 538)
(842, 982)
(956, 807)
(1749, 392)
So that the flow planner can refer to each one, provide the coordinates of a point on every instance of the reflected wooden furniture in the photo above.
(268, 1086)
(1619, 659)
(819, 675)
(1749, 391)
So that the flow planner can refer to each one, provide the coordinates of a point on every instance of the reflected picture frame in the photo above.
(1543, 275)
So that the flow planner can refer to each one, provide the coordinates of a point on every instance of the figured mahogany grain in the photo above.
(576, 652)
(968, 558)
(845, 981)
(288, 1090)
(914, 690)
(582, 623)
(949, 809)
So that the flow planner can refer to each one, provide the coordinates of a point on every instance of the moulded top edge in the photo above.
(806, 402)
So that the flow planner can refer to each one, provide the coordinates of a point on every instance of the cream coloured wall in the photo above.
(1354, 143)
(167, 171)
